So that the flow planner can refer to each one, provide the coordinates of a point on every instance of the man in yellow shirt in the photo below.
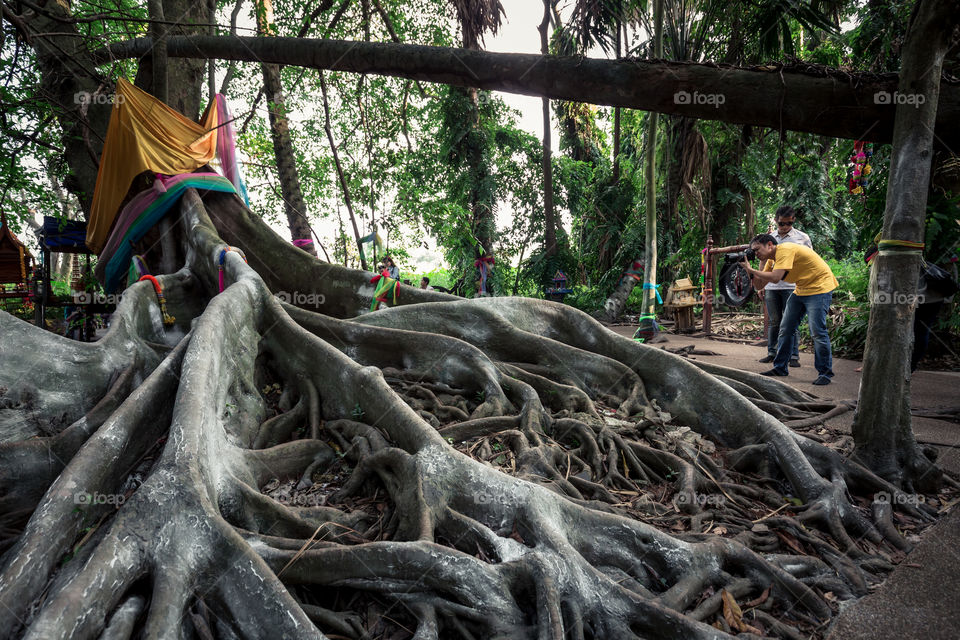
(815, 282)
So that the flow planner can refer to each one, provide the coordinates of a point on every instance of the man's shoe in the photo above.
(766, 360)
(795, 362)
(821, 380)
(773, 372)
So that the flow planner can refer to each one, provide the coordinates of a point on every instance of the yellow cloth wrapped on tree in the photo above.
(144, 135)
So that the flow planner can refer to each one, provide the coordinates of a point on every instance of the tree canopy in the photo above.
(251, 451)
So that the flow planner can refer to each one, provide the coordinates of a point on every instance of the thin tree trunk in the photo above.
(741, 211)
(881, 428)
(675, 132)
(616, 116)
(367, 138)
(212, 63)
(550, 230)
(158, 55)
(158, 30)
(340, 175)
(293, 204)
(650, 274)
(232, 67)
(368, 147)
(617, 301)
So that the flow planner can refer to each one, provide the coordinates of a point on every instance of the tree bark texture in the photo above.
(649, 301)
(837, 104)
(185, 75)
(293, 205)
(192, 424)
(341, 176)
(882, 427)
(549, 219)
(485, 468)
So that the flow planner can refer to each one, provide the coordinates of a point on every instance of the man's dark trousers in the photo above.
(776, 301)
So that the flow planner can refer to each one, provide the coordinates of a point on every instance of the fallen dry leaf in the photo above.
(733, 615)
(760, 599)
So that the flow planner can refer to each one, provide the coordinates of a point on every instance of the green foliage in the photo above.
(433, 169)
(540, 268)
(850, 306)
(879, 36)
(776, 22)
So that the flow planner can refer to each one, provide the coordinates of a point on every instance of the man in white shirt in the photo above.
(775, 294)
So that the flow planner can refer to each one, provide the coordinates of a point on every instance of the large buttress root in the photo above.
(496, 468)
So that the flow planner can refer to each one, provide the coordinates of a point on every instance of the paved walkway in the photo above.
(921, 598)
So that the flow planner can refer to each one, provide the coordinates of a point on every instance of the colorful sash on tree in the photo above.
(144, 211)
(647, 329)
(221, 260)
(227, 149)
(484, 265)
(384, 285)
(656, 288)
(635, 271)
(144, 134)
(138, 269)
(371, 237)
(167, 318)
(900, 247)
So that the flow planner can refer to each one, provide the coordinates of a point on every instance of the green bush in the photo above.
(850, 311)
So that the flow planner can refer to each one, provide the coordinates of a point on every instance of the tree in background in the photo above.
(462, 471)
(477, 18)
(289, 178)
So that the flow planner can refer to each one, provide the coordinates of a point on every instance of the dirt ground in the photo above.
(929, 389)
(919, 598)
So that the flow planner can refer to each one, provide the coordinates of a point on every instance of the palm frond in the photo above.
(477, 18)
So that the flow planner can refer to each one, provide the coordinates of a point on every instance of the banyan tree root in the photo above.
(495, 468)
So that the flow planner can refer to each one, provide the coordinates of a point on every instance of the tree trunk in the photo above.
(842, 105)
(293, 205)
(158, 32)
(185, 77)
(549, 221)
(742, 210)
(159, 89)
(258, 469)
(882, 430)
(484, 223)
(191, 448)
(648, 305)
(341, 177)
(616, 303)
(616, 110)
